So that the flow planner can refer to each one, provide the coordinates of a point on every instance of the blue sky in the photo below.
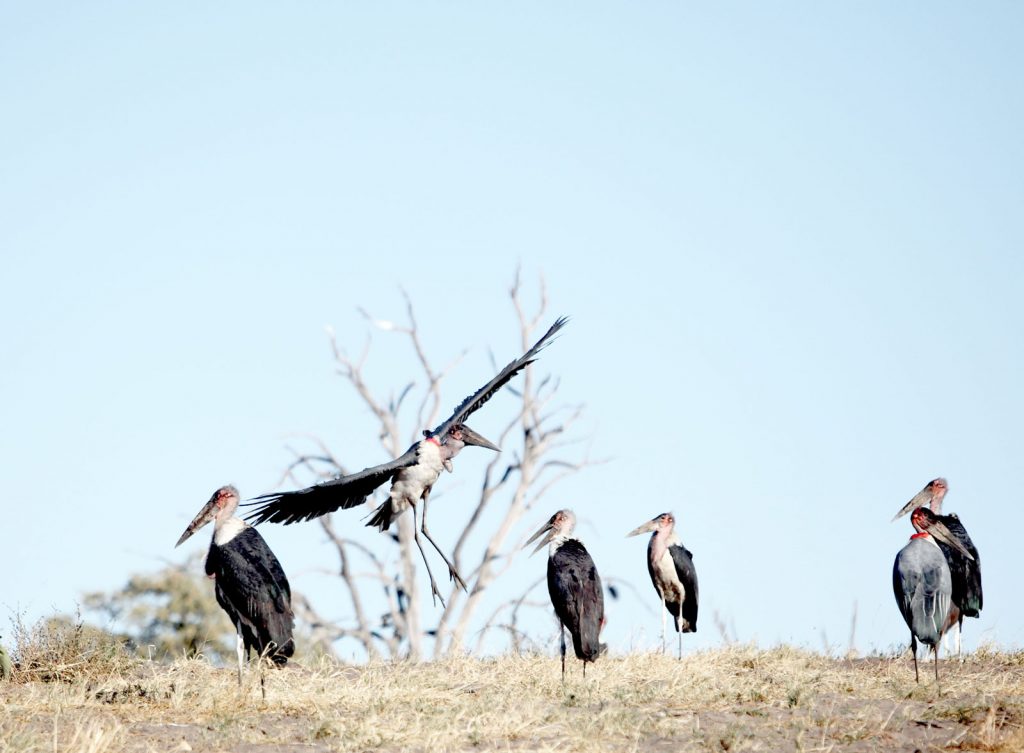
(788, 236)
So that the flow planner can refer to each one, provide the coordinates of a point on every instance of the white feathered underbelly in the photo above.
(408, 486)
(672, 588)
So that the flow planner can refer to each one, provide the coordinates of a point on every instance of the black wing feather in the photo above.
(687, 573)
(342, 493)
(475, 401)
(252, 588)
(576, 594)
(966, 575)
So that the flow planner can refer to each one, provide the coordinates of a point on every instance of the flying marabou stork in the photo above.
(965, 571)
(673, 575)
(574, 587)
(249, 582)
(922, 584)
(412, 475)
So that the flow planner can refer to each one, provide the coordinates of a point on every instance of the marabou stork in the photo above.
(412, 475)
(965, 572)
(249, 582)
(673, 575)
(574, 587)
(922, 584)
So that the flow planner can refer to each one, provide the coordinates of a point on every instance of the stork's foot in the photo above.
(456, 578)
(435, 592)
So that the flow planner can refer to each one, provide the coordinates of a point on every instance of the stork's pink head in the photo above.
(220, 506)
(921, 520)
(559, 526)
(931, 495)
(938, 488)
(927, 523)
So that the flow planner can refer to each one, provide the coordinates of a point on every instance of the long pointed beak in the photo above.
(921, 499)
(471, 437)
(208, 513)
(647, 527)
(938, 530)
(548, 529)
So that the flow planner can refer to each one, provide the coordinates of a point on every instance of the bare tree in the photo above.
(534, 437)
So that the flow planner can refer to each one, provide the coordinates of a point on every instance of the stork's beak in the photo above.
(939, 531)
(921, 499)
(208, 513)
(549, 529)
(650, 525)
(471, 437)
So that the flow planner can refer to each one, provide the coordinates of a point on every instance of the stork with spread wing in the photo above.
(412, 475)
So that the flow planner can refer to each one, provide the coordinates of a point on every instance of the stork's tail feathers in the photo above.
(683, 625)
(276, 638)
(587, 646)
(382, 516)
(587, 643)
(281, 655)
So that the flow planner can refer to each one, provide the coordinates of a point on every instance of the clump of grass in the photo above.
(64, 650)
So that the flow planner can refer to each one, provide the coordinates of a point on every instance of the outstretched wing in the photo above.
(342, 493)
(482, 395)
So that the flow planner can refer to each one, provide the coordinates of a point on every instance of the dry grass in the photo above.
(733, 699)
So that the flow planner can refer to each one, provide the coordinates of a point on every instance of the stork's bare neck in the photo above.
(938, 487)
(663, 537)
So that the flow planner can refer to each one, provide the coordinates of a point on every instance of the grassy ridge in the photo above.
(731, 699)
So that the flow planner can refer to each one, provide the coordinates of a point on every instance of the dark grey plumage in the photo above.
(923, 589)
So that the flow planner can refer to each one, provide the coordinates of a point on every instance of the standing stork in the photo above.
(574, 587)
(673, 575)
(922, 583)
(965, 571)
(412, 475)
(249, 582)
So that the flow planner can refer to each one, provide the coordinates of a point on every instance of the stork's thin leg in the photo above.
(435, 592)
(959, 645)
(561, 635)
(679, 628)
(263, 686)
(452, 572)
(240, 650)
(913, 651)
(938, 687)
